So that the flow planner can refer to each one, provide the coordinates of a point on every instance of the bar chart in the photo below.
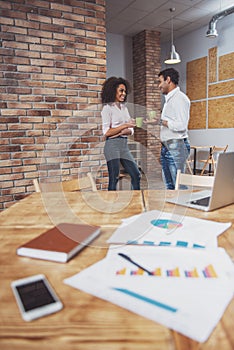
(196, 272)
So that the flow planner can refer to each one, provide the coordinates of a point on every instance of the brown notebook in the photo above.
(60, 243)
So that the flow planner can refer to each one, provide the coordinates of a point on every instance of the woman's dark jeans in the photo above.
(116, 152)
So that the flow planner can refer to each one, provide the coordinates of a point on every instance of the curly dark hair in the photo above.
(172, 73)
(110, 86)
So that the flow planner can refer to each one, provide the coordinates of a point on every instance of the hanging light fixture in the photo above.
(174, 56)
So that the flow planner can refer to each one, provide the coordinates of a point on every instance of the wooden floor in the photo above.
(154, 182)
(147, 183)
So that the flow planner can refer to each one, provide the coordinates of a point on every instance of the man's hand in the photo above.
(164, 123)
(150, 121)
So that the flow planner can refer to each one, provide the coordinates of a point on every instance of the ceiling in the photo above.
(129, 17)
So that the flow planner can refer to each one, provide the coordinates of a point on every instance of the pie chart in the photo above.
(165, 223)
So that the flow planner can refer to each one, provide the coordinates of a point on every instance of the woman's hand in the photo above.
(126, 131)
(130, 124)
(123, 129)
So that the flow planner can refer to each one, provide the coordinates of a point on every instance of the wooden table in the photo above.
(86, 322)
(195, 148)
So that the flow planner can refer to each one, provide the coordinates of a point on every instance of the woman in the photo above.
(117, 125)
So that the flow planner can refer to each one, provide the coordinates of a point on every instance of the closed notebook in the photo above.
(60, 243)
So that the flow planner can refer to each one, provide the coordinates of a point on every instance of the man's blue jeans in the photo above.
(174, 154)
(116, 152)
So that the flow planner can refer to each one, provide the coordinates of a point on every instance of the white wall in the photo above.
(190, 47)
(119, 58)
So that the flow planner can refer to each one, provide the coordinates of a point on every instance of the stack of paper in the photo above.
(186, 289)
(160, 228)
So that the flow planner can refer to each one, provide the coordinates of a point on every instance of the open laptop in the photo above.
(222, 192)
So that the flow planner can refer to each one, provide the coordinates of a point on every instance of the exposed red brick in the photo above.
(46, 73)
(146, 66)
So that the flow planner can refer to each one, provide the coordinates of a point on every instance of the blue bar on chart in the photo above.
(183, 244)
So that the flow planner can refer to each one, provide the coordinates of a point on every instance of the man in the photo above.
(174, 127)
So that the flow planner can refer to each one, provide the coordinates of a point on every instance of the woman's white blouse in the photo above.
(113, 116)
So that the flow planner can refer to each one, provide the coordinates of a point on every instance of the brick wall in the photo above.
(146, 66)
(52, 66)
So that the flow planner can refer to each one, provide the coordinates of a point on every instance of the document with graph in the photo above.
(168, 229)
(186, 290)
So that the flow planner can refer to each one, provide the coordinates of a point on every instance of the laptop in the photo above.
(222, 192)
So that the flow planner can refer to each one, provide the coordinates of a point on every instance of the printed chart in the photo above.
(166, 229)
(166, 224)
(206, 272)
(188, 292)
(178, 243)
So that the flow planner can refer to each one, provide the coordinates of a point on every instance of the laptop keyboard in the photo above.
(203, 201)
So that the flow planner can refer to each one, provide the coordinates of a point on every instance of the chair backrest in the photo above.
(217, 149)
(212, 158)
(36, 185)
(79, 184)
(193, 180)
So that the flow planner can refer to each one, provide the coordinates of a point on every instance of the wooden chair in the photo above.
(188, 162)
(124, 179)
(193, 180)
(212, 158)
(36, 185)
(79, 184)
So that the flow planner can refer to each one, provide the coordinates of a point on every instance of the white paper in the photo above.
(190, 305)
(162, 228)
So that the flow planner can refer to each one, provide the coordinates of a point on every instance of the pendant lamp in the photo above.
(174, 56)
